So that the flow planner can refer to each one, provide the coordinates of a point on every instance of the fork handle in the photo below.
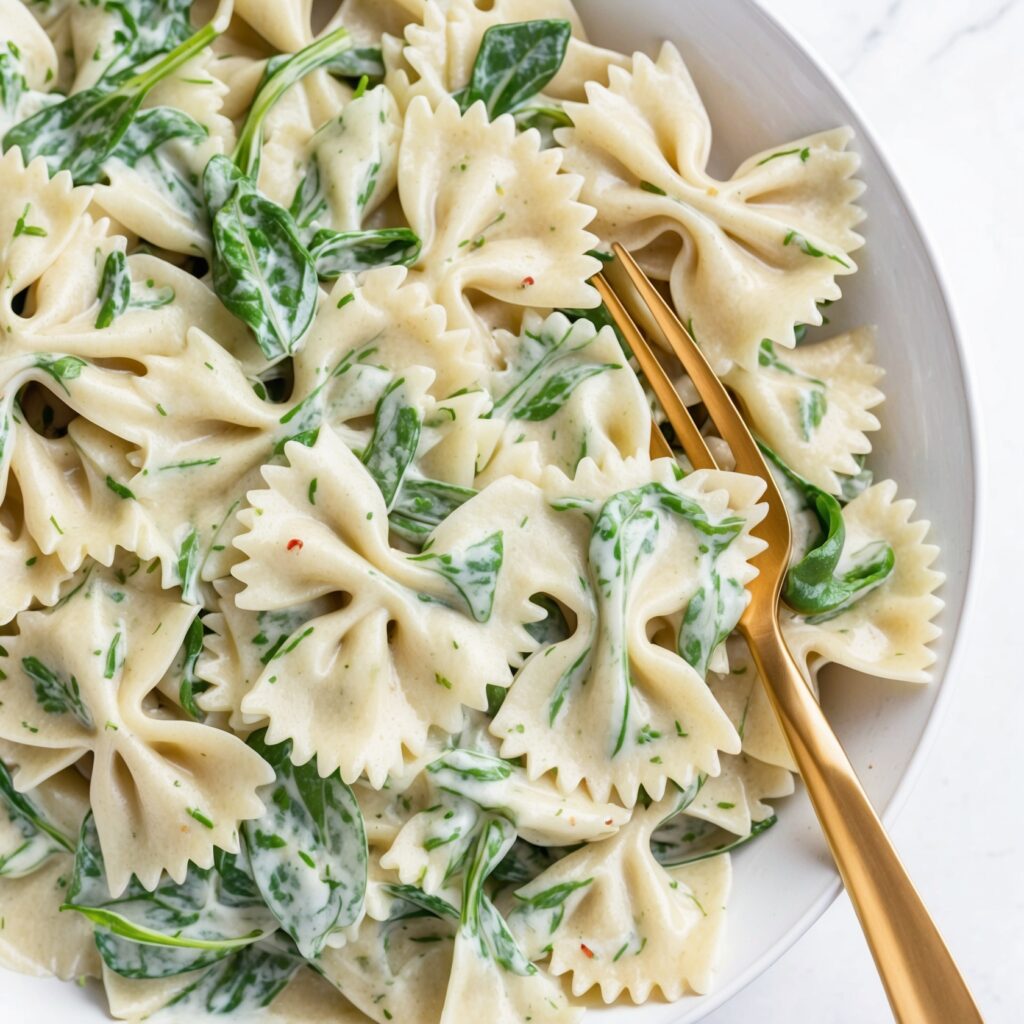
(922, 981)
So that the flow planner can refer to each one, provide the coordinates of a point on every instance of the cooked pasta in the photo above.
(358, 661)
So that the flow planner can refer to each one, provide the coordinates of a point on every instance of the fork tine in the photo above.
(682, 422)
(721, 409)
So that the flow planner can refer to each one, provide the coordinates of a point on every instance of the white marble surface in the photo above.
(941, 82)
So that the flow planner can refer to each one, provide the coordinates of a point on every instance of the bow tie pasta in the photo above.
(359, 660)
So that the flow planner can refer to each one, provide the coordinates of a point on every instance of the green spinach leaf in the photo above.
(684, 840)
(514, 63)
(473, 572)
(547, 367)
(244, 982)
(814, 586)
(261, 270)
(341, 252)
(421, 505)
(281, 74)
(115, 289)
(396, 436)
(192, 915)
(55, 694)
(80, 133)
(357, 62)
(308, 852)
(142, 29)
(40, 839)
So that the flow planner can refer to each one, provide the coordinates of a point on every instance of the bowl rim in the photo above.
(718, 997)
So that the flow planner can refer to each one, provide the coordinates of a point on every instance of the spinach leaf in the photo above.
(480, 919)
(523, 863)
(308, 852)
(115, 289)
(192, 915)
(514, 63)
(132, 959)
(12, 83)
(433, 905)
(79, 133)
(40, 839)
(357, 62)
(280, 75)
(147, 148)
(858, 483)
(473, 573)
(340, 252)
(684, 840)
(549, 901)
(712, 612)
(245, 982)
(55, 694)
(421, 505)
(396, 436)
(814, 586)
(552, 629)
(545, 370)
(191, 684)
(143, 29)
(261, 270)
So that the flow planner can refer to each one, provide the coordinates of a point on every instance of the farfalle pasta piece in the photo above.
(395, 322)
(614, 918)
(734, 799)
(431, 630)
(30, 576)
(38, 217)
(812, 404)
(115, 479)
(396, 970)
(436, 57)
(237, 648)
(607, 705)
(36, 51)
(284, 24)
(745, 258)
(163, 792)
(494, 215)
(565, 393)
(886, 632)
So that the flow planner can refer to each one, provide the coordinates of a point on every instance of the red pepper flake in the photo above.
(587, 951)
(294, 543)
(608, 821)
(527, 282)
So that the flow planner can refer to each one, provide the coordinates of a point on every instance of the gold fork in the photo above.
(921, 979)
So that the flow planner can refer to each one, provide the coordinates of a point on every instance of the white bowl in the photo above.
(762, 88)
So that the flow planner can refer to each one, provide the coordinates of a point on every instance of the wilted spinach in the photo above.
(473, 572)
(143, 29)
(514, 63)
(684, 840)
(80, 133)
(204, 917)
(546, 368)
(340, 252)
(40, 839)
(814, 586)
(308, 851)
